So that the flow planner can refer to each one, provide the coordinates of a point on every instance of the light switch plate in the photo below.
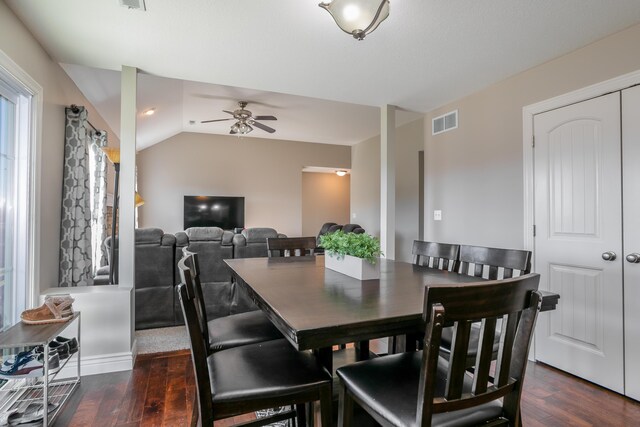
(437, 215)
(353, 215)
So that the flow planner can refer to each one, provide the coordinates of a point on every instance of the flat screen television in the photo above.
(214, 211)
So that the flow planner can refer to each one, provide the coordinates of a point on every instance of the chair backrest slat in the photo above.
(458, 360)
(515, 301)
(429, 254)
(291, 246)
(507, 339)
(483, 355)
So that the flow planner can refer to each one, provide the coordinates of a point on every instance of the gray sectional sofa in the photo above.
(157, 275)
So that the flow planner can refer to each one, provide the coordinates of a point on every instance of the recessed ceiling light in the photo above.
(149, 112)
(341, 173)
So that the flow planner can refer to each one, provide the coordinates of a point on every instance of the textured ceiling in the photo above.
(427, 53)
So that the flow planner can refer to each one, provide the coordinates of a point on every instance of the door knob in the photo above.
(633, 258)
(609, 256)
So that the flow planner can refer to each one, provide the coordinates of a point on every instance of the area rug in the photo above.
(268, 412)
(162, 340)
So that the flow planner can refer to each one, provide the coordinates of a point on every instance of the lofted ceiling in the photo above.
(180, 106)
(427, 53)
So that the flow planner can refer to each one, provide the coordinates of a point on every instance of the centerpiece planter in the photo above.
(358, 268)
(355, 255)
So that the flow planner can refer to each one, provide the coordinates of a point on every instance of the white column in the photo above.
(388, 181)
(126, 215)
(126, 224)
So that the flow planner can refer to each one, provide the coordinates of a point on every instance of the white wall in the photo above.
(266, 172)
(474, 174)
(325, 198)
(59, 92)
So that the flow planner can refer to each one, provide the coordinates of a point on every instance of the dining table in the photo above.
(316, 308)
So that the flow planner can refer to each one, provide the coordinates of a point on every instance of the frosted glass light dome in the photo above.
(357, 17)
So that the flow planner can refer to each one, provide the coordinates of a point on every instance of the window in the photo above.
(16, 139)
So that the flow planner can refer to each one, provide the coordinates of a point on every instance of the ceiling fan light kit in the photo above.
(244, 120)
(357, 17)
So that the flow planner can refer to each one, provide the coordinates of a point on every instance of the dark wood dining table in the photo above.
(316, 308)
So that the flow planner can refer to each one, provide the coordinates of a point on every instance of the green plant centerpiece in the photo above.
(361, 245)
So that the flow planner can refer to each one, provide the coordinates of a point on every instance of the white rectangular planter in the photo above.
(351, 266)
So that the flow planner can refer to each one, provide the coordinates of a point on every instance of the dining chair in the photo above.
(422, 389)
(229, 331)
(480, 261)
(252, 377)
(290, 246)
(443, 256)
(487, 263)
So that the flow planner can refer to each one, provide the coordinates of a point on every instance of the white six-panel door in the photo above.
(631, 225)
(578, 217)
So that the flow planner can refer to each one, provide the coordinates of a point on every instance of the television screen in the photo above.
(213, 211)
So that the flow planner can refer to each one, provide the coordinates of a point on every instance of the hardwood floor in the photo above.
(160, 392)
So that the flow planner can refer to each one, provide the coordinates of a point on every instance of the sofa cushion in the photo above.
(258, 235)
(204, 233)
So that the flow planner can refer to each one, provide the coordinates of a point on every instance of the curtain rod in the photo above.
(76, 110)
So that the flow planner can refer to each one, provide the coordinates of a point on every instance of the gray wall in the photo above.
(268, 173)
(474, 174)
(365, 185)
(59, 92)
(325, 198)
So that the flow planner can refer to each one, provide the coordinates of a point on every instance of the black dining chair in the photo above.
(291, 246)
(479, 261)
(422, 389)
(252, 377)
(229, 331)
(492, 264)
(443, 256)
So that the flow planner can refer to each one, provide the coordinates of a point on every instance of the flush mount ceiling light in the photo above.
(150, 112)
(341, 173)
(357, 17)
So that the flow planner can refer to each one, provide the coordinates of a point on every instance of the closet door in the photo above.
(631, 219)
(578, 244)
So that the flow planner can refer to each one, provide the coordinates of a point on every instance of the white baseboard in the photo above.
(102, 364)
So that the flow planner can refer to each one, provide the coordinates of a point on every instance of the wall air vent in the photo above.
(444, 123)
(133, 4)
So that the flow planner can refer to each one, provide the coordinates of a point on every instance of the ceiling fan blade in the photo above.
(217, 120)
(229, 112)
(264, 118)
(263, 127)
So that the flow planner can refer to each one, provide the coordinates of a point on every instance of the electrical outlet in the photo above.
(353, 215)
(437, 215)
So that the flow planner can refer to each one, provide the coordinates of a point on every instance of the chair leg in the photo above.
(345, 408)
(326, 405)
(301, 417)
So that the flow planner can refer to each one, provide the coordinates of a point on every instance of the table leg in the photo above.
(362, 350)
(325, 357)
(402, 343)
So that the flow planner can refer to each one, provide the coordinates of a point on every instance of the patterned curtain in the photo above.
(75, 224)
(98, 199)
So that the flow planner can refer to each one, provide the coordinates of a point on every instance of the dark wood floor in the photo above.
(160, 392)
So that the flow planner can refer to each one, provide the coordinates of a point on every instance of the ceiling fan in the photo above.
(245, 120)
